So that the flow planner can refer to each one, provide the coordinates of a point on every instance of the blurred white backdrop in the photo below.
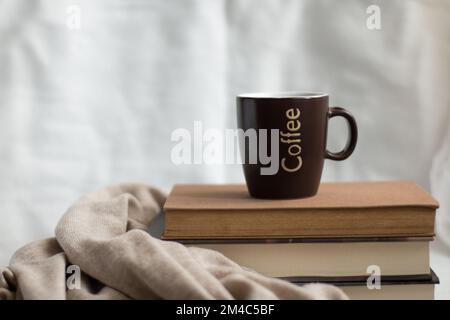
(90, 92)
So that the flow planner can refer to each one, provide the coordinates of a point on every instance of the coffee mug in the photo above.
(288, 132)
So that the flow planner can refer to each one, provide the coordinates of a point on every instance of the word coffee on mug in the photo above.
(297, 124)
(292, 138)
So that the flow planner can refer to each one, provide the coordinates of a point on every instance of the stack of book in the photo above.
(372, 239)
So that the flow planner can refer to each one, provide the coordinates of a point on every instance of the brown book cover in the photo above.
(285, 240)
(349, 209)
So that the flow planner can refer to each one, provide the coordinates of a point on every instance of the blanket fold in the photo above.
(102, 250)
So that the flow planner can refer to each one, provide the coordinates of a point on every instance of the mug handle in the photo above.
(353, 131)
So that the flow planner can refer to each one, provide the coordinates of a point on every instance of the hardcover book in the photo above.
(338, 257)
(390, 287)
(351, 209)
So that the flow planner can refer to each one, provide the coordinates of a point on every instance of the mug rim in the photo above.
(283, 95)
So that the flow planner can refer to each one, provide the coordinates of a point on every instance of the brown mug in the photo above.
(290, 135)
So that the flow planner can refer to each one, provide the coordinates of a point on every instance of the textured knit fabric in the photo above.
(103, 238)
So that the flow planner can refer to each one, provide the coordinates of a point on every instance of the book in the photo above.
(349, 209)
(391, 287)
(336, 257)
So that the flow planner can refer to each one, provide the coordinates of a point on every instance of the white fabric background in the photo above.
(81, 109)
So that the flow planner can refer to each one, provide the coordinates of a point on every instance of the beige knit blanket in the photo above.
(102, 250)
